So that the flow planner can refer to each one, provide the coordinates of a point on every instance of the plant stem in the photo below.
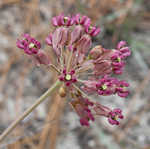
(29, 110)
(55, 68)
(69, 60)
(84, 94)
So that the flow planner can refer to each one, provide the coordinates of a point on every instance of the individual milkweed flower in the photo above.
(112, 115)
(117, 62)
(121, 88)
(106, 86)
(62, 20)
(49, 39)
(32, 47)
(125, 51)
(82, 70)
(29, 44)
(68, 78)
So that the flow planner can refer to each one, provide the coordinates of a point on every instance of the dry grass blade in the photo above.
(49, 134)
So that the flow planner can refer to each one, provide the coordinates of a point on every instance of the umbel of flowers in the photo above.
(83, 71)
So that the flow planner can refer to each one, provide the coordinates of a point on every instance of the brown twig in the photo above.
(29, 110)
(49, 136)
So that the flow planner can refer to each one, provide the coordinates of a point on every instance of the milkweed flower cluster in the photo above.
(83, 71)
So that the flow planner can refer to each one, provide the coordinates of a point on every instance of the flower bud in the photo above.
(96, 52)
(62, 92)
(76, 34)
(49, 39)
(84, 44)
(121, 44)
(56, 38)
(64, 38)
(95, 32)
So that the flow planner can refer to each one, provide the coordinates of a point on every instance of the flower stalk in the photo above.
(29, 110)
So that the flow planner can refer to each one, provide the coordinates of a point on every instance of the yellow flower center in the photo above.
(115, 118)
(31, 45)
(65, 19)
(68, 77)
(104, 87)
(118, 59)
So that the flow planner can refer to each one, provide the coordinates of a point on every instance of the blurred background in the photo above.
(21, 83)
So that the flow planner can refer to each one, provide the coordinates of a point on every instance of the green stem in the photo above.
(29, 110)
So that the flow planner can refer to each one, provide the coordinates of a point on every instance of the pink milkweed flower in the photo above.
(121, 53)
(112, 115)
(121, 88)
(58, 20)
(121, 44)
(94, 31)
(86, 22)
(77, 19)
(61, 20)
(106, 86)
(125, 51)
(49, 39)
(32, 47)
(117, 62)
(29, 44)
(68, 78)
(83, 71)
